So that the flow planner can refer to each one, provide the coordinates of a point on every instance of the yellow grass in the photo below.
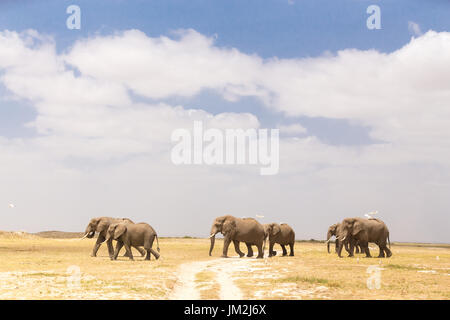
(41, 268)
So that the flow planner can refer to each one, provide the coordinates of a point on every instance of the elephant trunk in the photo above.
(328, 241)
(340, 239)
(213, 240)
(339, 247)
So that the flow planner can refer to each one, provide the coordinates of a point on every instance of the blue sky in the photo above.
(378, 141)
(269, 29)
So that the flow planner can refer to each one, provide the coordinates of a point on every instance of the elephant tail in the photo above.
(157, 243)
(389, 241)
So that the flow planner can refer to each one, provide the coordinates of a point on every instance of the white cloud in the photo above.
(97, 149)
(292, 129)
(162, 67)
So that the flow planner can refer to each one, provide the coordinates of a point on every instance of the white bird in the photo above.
(370, 214)
(258, 216)
(11, 205)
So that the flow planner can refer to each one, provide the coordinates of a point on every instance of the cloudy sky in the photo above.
(86, 115)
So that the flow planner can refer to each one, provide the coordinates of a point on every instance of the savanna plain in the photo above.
(51, 267)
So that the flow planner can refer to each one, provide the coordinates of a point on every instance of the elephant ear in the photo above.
(266, 230)
(275, 229)
(357, 228)
(229, 227)
(120, 230)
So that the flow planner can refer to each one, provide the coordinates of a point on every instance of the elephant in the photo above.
(332, 230)
(101, 225)
(282, 234)
(364, 231)
(237, 230)
(130, 234)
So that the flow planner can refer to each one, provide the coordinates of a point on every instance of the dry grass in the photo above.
(41, 268)
(413, 272)
(208, 286)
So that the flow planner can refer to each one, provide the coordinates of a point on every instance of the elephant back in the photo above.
(248, 224)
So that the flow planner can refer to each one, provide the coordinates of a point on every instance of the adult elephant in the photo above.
(101, 225)
(282, 234)
(364, 231)
(332, 231)
(237, 230)
(130, 234)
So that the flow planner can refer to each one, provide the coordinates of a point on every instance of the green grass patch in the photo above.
(311, 280)
(400, 267)
(42, 274)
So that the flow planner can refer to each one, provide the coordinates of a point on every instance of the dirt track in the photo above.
(186, 287)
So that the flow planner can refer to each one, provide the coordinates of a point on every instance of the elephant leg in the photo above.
(237, 249)
(148, 247)
(97, 245)
(284, 250)
(381, 254)
(339, 249)
(141, 251)
(110, 248)
(356, 249)
(260, 251)
(351, 249)
(226, 244)
(130, 254)
(118, 247)
(126, 254)
(250, 250)
(291, 247)
(346, 247)
(336, 245)
(367, 251)
(155, 254)
(388, 251)
(271, 252)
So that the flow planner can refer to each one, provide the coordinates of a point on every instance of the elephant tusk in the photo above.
(344, 238)
(328, 240)
(211, 236)
(84, 236)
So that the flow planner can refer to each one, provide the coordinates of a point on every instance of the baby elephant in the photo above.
(281, 234)
(136, 235)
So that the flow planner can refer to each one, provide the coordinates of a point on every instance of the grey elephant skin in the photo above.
(133, 235)
(101, 225)
(332, 231)
(237, 230)
(282, 234)
(364, 231)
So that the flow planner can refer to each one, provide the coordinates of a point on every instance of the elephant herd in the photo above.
(351, 233)
(356, 233)
(126, 233)
(252, 233)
